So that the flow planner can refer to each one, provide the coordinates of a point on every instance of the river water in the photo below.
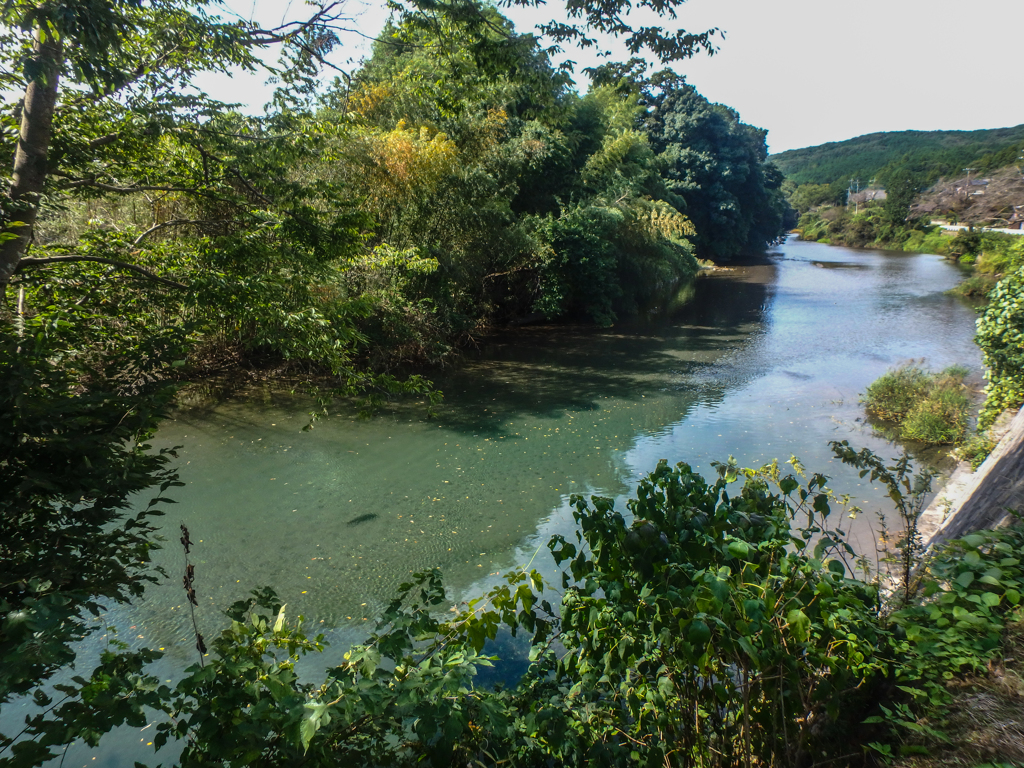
(762, 361)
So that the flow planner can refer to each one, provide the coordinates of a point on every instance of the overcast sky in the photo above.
(810, 71)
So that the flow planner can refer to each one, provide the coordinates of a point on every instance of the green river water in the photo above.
(765, 360)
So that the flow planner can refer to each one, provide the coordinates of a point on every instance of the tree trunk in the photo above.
(29, 177)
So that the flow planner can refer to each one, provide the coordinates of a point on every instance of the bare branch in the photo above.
(36, 262)
(102, 141)
(176, 223)
(93, 184)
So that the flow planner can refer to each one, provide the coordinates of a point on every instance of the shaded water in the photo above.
(767, 360)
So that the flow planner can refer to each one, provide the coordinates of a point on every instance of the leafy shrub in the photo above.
(706, 626)
(73, 455)
(1001, 338)
(941, 417)
(896, 392)
(704, 632)
(966, 243)
(1000, 253)
(928, 408)
(975, 286)
(929, 239)
(970, 589)
(976, 449)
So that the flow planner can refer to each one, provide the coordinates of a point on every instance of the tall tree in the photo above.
(127, 47)
(902, 187)
(716, 167)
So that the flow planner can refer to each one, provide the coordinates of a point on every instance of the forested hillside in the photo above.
(929, 154)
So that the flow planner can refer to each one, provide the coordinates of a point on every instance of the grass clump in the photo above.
(896, 392)
(926, 407)
(975, 287)
(976, 449)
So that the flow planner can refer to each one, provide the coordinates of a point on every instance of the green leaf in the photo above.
(739, 549)
(279, 623)
(799, 623)
(749, 649)
(965, 578)
(720, 589)
(699, 632)
(991, 599)
(837, 567)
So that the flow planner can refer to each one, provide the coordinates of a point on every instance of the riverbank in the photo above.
(986, 250)
(980, 499)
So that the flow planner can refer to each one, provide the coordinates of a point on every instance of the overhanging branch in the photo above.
(38, 262)
(176, 223)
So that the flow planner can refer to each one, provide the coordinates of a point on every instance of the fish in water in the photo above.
(363, 518)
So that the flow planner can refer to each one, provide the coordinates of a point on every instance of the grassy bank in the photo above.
(989, 252)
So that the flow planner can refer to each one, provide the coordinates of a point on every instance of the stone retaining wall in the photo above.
(972, 501)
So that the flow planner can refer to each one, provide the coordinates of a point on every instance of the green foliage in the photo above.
(871, 227)
(73, 454)
(928, 408)
(896, 392)
(999, 253)
(969, 591)
(707, 630)
(716, 166)
(807, 196)
(975, 449)
(976, 286)
(1001, 338)
(902, 187)
(965, 246)
(711, 624)
(908, 491)
(927, 240)
(929, 153)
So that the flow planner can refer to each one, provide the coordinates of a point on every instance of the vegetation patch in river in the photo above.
(926, 407)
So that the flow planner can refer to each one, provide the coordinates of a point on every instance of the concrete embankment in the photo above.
(975, 500)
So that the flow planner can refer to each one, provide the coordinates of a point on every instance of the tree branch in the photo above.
(176, 223)
(102, 141)
(36, 262)
(93, 184)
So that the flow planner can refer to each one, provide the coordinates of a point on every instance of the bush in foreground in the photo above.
(713, 623)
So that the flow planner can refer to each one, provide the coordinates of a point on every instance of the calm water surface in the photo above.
(767, 360)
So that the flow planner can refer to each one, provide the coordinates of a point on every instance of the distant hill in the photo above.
(929, 153)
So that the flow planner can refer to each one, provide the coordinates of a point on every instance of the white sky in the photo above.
(810, 71)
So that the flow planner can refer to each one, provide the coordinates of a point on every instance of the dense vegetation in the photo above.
(454, 181)
(926, 407)
(990, 253)
(1001, 338)
(930, 154)
(151, 234)
(712, 623)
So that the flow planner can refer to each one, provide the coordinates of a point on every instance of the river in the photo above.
(764, 360)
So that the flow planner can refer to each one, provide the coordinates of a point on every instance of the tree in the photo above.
(901, 190)
(127, 49)
(110, 314)
(715, 167)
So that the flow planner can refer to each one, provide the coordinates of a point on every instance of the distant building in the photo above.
(866, 195)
